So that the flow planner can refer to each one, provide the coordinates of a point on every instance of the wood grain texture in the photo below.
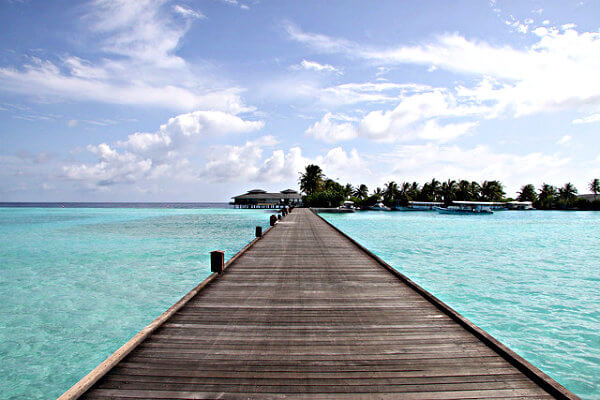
(306, 313)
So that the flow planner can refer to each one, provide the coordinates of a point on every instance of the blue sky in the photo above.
(143, 100)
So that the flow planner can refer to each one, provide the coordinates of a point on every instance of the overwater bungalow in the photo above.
(258, 198)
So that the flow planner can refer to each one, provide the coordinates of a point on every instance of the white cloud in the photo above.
(422, 162)
(418, 116)
(155, 155)
(137, 64)
(188, 12)
(315, 66)
(556, 72)
(588, 119)
(257, 161)
(330, 131)
(566, 139)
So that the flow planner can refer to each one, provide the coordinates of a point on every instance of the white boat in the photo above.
(347, 206)
(469, 207)
(520, 205)
(379, 207)
(420, 206)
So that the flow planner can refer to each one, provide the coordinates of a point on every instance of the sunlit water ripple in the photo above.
(531, 279)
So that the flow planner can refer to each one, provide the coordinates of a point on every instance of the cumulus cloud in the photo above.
(259, 161)
(145, 155)
(330, 131)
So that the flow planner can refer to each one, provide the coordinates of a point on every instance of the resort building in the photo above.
(258, 198)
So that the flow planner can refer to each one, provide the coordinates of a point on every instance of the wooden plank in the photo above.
(306, 312)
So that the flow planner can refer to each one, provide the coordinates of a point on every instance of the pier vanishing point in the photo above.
(305, 312)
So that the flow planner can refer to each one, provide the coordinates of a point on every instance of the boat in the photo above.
(468, 207)
(379, 207)
(347, 206)
(419, 206)
(520, 205)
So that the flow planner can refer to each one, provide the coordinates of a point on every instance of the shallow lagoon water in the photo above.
(531, 278)
(75, 284)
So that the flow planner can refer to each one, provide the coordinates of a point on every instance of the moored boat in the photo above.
(379, 207)
(468, 207)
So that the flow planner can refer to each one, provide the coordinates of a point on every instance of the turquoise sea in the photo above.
(77, 283)
(529, 278)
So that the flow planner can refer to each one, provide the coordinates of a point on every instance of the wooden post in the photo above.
(217, 261)
(272, 220)
(258, 231)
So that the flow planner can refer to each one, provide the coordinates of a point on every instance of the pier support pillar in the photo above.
(217, 261)
(258, 231)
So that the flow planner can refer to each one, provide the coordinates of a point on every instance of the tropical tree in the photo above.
(436, 189)
(390, 193)
(311, 180)
(492, 191)
(547, 196)
(361, 192)
(463, 190)
(378, 192)
(595, 187)
(567, 195)
(414, 191)
(449, 191)
(527, 193)
(475, 191)
(568, 191)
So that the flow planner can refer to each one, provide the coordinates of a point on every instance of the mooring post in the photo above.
(258, 231)
(272, 220)
(217, 261)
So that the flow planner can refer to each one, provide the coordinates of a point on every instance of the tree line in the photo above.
(320, 191)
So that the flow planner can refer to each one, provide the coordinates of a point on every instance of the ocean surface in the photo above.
(78, 282)
(529, 278)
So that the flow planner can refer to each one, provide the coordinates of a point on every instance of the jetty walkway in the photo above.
(305, 312)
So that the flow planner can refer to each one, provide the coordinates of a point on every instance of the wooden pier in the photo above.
(305, 312)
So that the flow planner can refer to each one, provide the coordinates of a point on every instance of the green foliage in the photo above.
(595, 187)
(311, 180)
(324, 192)
(527, 193)
(324, 198)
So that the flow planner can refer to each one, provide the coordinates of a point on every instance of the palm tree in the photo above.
(414, 191)
(362, 191)
(436, 189)
(463, 190)
(449, 191)
(475, 191)
(348, 190)
(568, 194)
(527, 193)
(312, 179)
(595, 187)
(378, 192)
(492, 191)
(547, 196)
(390, 192)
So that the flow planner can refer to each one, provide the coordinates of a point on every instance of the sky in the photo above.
(158, 100)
